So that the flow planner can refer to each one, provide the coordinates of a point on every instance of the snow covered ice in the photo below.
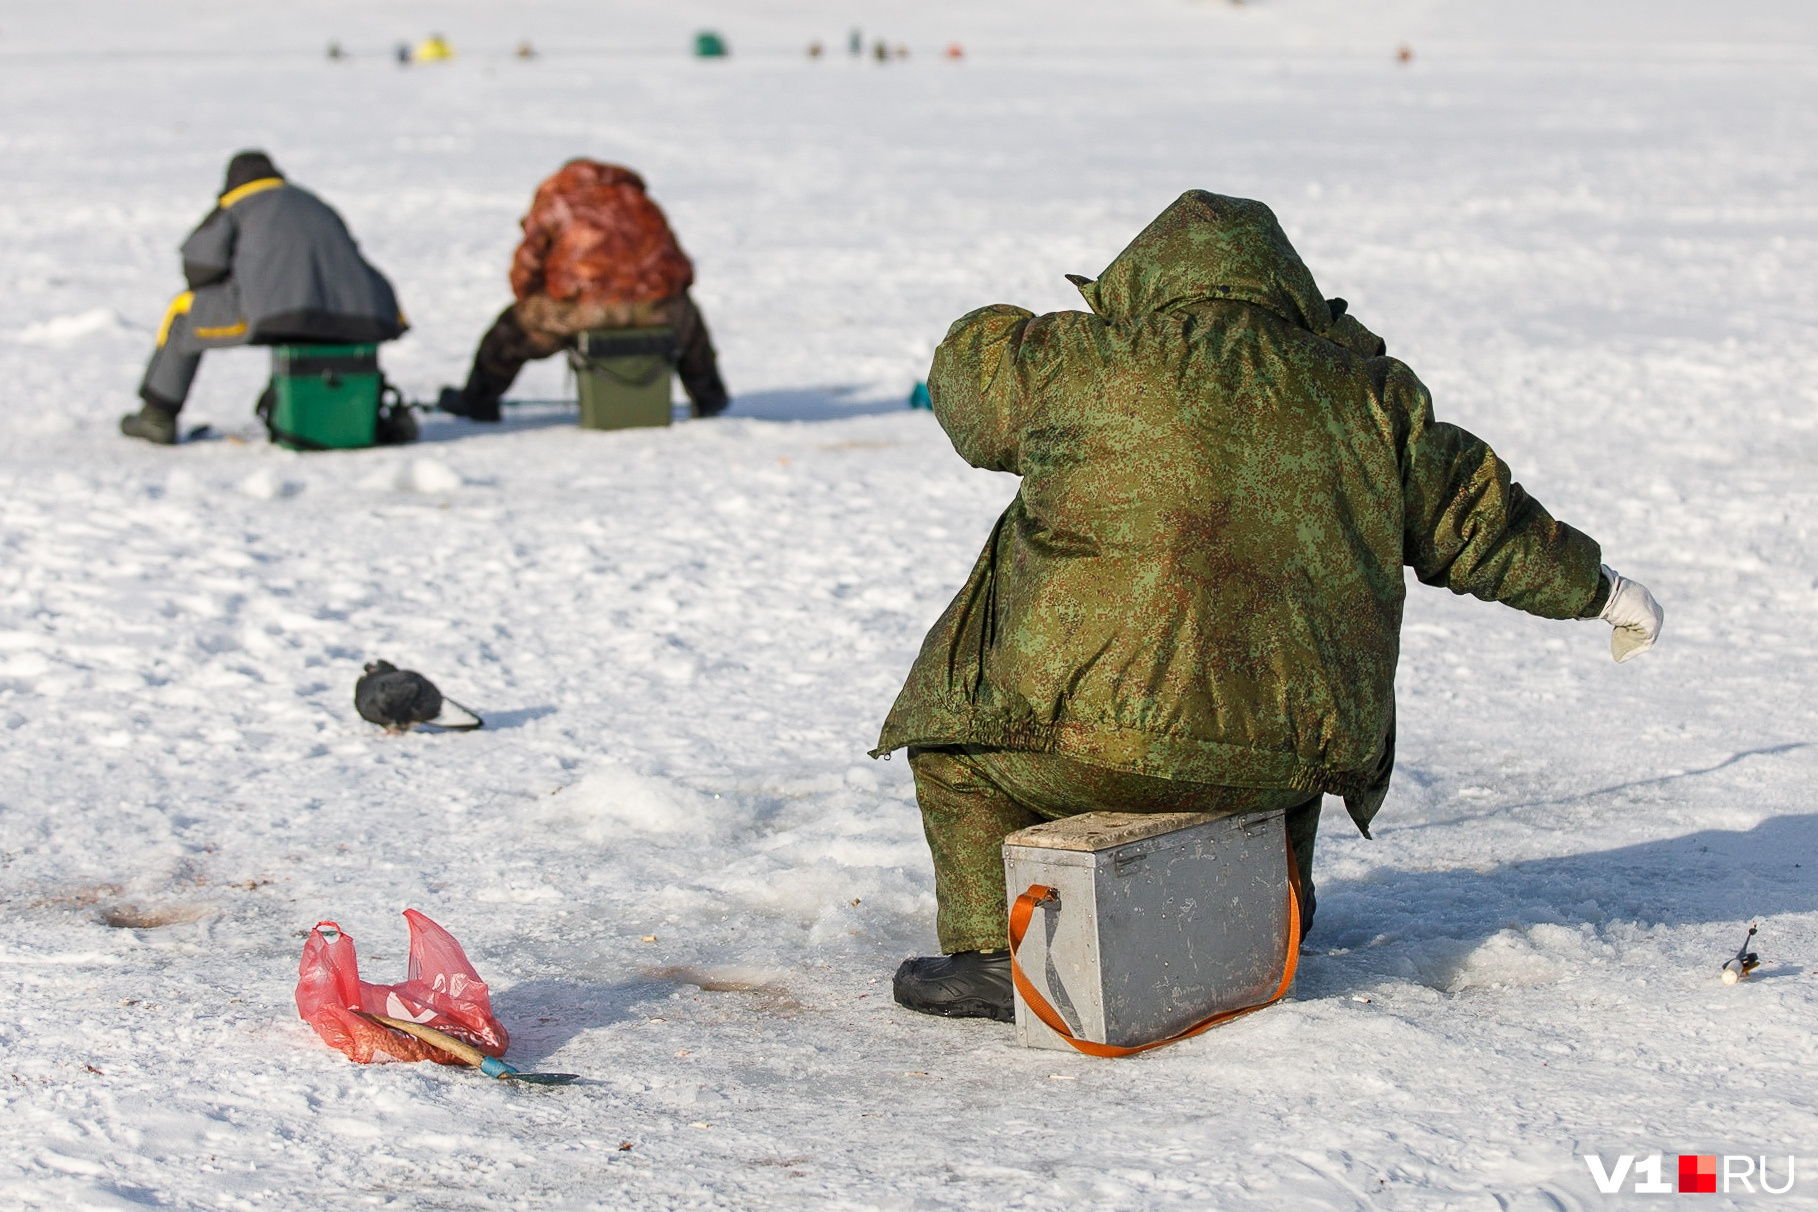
(1590, 229)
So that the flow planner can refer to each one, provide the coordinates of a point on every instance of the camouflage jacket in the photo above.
(1201, 575)
(594, 236)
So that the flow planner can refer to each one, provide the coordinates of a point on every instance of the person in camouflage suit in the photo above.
(1194, 602)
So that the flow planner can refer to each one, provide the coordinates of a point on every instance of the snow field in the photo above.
(1591, 233)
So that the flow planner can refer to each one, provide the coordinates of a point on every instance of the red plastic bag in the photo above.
(440, 989)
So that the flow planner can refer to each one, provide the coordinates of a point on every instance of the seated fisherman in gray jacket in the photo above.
(272, 264)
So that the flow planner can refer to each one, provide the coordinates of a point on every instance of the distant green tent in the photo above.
(709, 45)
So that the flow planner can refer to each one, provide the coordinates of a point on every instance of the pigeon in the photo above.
(397, 699)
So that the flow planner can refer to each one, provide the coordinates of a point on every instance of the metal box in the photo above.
(324, 397)
(622, 376)
(1163, 920)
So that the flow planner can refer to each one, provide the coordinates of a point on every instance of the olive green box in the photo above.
(324, 397)
(623, 376)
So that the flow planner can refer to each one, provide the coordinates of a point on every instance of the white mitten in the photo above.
(1635, 615)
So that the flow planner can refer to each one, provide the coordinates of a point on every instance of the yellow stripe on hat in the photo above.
(249, 189)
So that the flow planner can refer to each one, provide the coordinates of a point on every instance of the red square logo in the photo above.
(1697, 1174)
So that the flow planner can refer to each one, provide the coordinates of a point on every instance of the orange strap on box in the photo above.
(1040, 894)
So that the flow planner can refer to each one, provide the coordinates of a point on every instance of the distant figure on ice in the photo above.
(272, 264)
(597, 253)
(1194, 602)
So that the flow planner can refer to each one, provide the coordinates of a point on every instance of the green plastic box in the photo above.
(324, 397)
(623, 376)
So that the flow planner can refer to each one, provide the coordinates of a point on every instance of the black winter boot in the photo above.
(711, 403)
(454, 401)
(152, 423)
(968, 984)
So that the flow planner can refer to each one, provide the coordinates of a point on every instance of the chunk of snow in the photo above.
(61, 330)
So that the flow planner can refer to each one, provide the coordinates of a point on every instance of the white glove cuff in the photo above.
(1616, 581)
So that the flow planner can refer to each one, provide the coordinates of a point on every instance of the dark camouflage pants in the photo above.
(973, 797)
(538, 327)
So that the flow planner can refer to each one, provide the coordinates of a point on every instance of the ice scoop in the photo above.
(491, 1066)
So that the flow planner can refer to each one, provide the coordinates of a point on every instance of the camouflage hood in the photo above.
(1207, 246)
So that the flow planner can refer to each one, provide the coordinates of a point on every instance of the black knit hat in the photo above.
(247, 167)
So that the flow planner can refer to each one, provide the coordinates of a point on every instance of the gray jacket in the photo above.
(295, 266)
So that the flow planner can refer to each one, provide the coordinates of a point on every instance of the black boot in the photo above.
(969, 984)
(454, 401)
(153, 423)
(711, 403)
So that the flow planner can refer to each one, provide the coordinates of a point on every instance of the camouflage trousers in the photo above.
(539, 326)
(972, 797)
